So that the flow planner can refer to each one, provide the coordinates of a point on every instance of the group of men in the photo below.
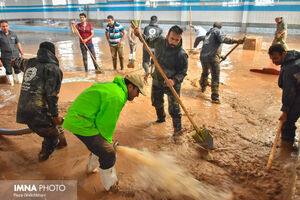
(93, 115)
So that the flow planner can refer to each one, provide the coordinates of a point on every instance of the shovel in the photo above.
(99, 68)
(203, 137)
(235, 46)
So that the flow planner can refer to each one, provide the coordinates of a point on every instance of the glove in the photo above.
(240, 41)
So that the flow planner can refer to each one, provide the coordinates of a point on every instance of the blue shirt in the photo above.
(115, 33)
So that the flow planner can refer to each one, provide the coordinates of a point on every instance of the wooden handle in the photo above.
(274, 145)
(224, 57)
(191, 42)
(157, 65)
(87, 47)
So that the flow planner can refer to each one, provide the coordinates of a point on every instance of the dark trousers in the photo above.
(8, 67)
(214, 68)
(84, 54)
(49, 133)
(289, 128)
(101, 148)
(157, 98)
(146, 60)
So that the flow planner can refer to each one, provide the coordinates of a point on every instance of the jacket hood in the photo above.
(121, 83)
(46, 56)
(291, 56)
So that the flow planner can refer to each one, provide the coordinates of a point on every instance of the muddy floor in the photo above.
(243, 127)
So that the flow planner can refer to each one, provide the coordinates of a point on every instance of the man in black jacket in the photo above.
(289, 82)
(151, 32)
(210, 57)
(174, 61)
(37, 106)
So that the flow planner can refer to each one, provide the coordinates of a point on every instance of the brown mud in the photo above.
(243, 127)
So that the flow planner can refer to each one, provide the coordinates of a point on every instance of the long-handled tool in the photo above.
(274, 145)
(205, 139)
(190, 50)
(235, 46)
(98, 66)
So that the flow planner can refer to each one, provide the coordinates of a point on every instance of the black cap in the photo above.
(153, 19)
(48, 45)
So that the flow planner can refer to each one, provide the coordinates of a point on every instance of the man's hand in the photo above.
(240, 40)
(12, 62)
(278, 35)
(72, 22)
(283, 117)
(85, 40)
(192, 26)
(170, 82)
(57, 120)
(22, 56)
(137, 31)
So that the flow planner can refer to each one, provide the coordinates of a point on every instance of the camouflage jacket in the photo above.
(281, 29)
(41, 84)
(212, 44)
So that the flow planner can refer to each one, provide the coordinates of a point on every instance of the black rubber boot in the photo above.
(161, 115)
(48, 147)
(177, 125)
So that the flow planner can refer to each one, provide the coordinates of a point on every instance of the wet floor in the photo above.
(243, 126)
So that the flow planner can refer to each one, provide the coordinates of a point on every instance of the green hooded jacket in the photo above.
(96, 110)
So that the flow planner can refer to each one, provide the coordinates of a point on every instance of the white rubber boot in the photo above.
(10, 79)
(19, 77)
(108, 178)
(130, 57)
(93, 164)
(133, 55)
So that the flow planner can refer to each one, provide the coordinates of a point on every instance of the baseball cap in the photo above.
(136, 80)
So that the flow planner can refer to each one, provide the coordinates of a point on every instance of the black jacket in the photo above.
(289, 80)
(151, 32)
(212, 44)
(174, 61)
(41, 84)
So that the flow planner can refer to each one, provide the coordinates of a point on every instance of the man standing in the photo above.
(174, 61)
(210, 58)
(132, 39)
(86, 31)
(289, 82)
(37, 106)
(151, 32)
(115, 34)
(281, 33)
(93, 117)
(10, 49)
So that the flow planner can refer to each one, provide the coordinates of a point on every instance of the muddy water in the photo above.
(243, 127)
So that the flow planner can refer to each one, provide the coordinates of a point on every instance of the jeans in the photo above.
(84, 54)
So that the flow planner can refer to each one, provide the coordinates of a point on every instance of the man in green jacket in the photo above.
(93, 117)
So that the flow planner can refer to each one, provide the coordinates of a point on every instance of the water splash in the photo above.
(158, 173)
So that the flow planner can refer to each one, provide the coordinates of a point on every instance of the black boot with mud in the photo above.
(161, 115)
(47, 150)
(62, 142)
